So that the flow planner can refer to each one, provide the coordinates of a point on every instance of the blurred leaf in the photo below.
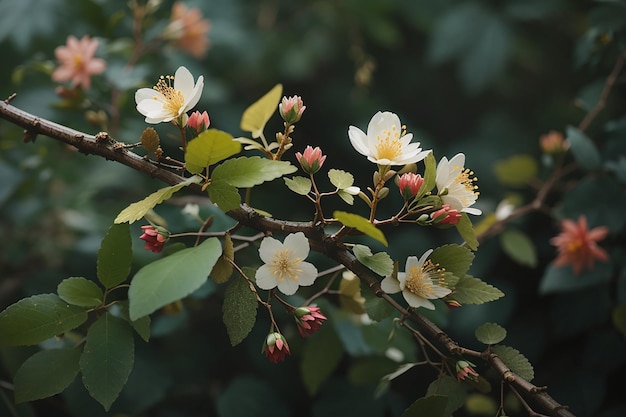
(21, 25)
(321, 355)
(245, 172)
(239, 310)
(35, 319)
(361, 224)
(299, 185)
(583, 149)
(46, 373)
(381, 263)
(432, 406)
(370, 370)
(515, 361)
(454, 258)
(609, 17)
(224, 195)
(466, 230)
(80, 292)
(350, 297)
(490, 333)
(107, 359)
(450, 387)
(376, 308)
(256, 116)
(386, 379)
(339, 397)
(619, 318)
(223, 269)
(480, 404)
(115, 256)
(340, 179)
(208, 148)
(617, 167)
(454, 33)
(532, 9)
(470, 290)
(589, 95)
(562, 278)
(11, 179)
(250, 396)
(519, 247)
(516, 171)
(139, 209)
(171, 278)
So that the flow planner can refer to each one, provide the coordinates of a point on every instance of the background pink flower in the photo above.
(578, 246)
(77, 62)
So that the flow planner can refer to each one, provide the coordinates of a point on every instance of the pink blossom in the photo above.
(311, 160)
(309, 320)
(291, 109)
(276, 347)
(446, 215)
(155, 237)
(464, 369)
(77, 62)
(188, 30)
(199, 121)
(577, 246)
(410, 184)
(553, 142)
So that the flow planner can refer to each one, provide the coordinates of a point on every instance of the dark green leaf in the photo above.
(320, 356)
(224, 195)
(433, 406)
(470, 290)
(260, 399)
(519, 247)
(451, 388)
(46, 373)
(376, 308)
(583, 149)
(239, 310)
(515, 361)
(37, 318)
(562, 278)
(490, 333)
(454, 258)
(172, 278)
(115, 256)
(80, 292)
(361, 224)
(107, 359)
(381, 263)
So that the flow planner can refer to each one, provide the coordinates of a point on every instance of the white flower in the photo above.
(386, 141)
(284, 264)
(422, 281)
(166, 102)
(455, 184)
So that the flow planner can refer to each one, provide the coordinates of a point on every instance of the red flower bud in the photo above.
(155, 237)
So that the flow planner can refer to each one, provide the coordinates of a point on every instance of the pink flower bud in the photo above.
(446, 215)
(291, 109)
(275, 347)
(155, 237)
(410, 184)
(309, 319)
(464, 369)
(311, 160)
(199, 121)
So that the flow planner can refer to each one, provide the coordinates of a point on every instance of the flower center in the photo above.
(419, 281)
(174, 99)
(574, 245)
(388, 144)
(285, 266)
(467, 180)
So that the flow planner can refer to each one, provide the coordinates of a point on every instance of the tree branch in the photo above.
(102, 145)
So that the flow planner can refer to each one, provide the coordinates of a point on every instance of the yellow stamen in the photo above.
(285, 266)
(419, 281)
(574, 246)
(389, 145)
(466, 179)
(174, 99)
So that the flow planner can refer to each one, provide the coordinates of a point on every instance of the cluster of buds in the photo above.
(311, 160)
(155, 237)
(309, 319)
(275, 347)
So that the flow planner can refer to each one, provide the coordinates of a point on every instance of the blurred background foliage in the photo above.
(483, 77)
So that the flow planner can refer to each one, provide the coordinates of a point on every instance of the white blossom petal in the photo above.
(416, 301)
(390, 285)
(265, 279)
(269, 246)
(298, 244)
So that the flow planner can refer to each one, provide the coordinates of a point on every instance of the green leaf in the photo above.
(256, 116)
(490, 333)
(470, 290)
(433, 406)
(515, 361)
(171, 278)
(137, 210)
(450, 387)
(141, 325)
(107, 359)
(37, 318)
(320, 357)
(346, 196)
(519, 247)
(516, 171)
(245, 172)
(340, 179)
(583, 149)
(454, 258)
(562, 278)
(45, 374)
(249, 396)
(430, 174)
(361, 224)
(208, 148)
(80, 292)
(115, 256)
(239, 310)
(224, 195)
(376, 308)
(299, 185)
(381, 263)
(223, 268)
(466, 230)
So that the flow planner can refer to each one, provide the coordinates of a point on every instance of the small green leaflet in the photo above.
(46, 373)
(255, 117)
(454, 258)
(381, 263)
(80, 292)
(239, 309)
(519, 247)
(430, 174)
(515, 361)
(210, 147)
(224, 195)
(107, 359)
(361, 224)
(35, 319)
(340, 179)
(299, 185)
(490, 333)
(137, 210)
(171, 278)
(470, 290)
(115, 256)
(466, 230)
(245, 172)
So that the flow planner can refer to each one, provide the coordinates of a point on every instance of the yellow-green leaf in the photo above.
(210, 147)
(137, 210)
(517, 170)
(256, 116)
(361, 224)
